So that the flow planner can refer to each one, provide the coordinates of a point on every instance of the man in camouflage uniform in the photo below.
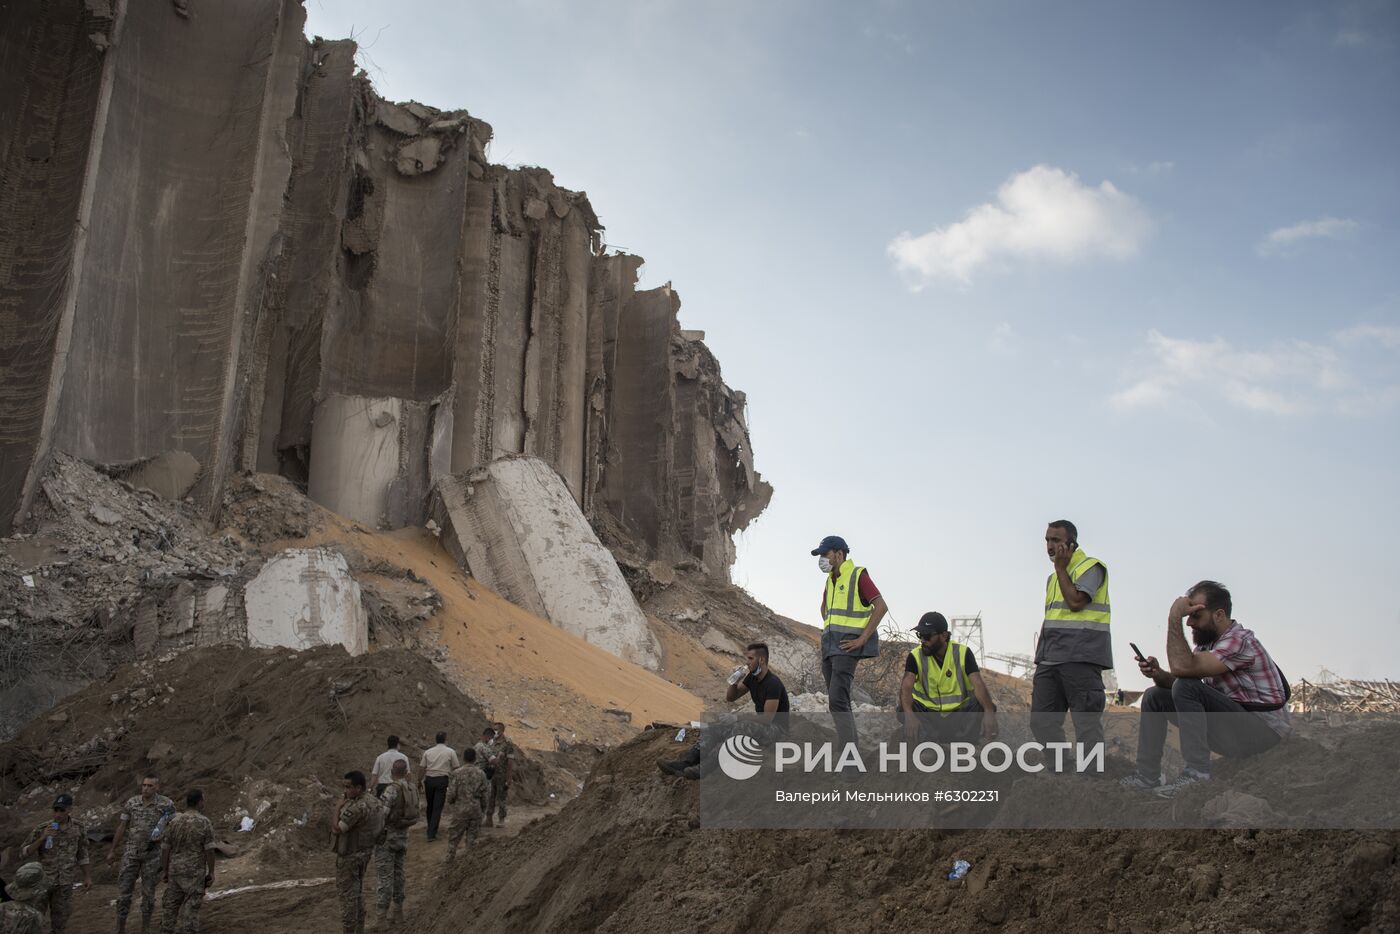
(484, 755)
(349, 825)
(400, 799)
(503, 756)
(142, 821)
(468, 795)
(61, 847)
(187, 864)
(24, 915)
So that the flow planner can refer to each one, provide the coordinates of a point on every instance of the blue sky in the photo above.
(983, 265)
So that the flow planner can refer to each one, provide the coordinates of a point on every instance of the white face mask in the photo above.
(825, 564)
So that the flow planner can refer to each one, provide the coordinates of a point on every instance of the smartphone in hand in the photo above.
(1137, 651)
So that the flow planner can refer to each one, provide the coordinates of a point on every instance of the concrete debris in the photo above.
(514, 526)
(1237, 809)
(306, 597)
(716, 641)
(170, 475)
(368, 260)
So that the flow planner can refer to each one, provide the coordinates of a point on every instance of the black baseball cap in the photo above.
(832, 543)
(63, 803)
(930, 624)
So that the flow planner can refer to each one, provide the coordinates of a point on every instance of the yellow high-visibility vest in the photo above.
(845, 611)
(942, 688)
(1068, 635)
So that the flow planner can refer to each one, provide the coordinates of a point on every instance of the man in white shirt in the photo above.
(437, 765)
(382, 773)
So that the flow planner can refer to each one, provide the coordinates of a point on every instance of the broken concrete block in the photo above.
(396, 118)
(170, 475)
(516, 528)
(305, 597)
(418, 156)
(716, 641)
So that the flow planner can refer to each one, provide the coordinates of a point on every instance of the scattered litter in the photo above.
(680, 735)
(960, 869)
(245, 825)
(28, 581)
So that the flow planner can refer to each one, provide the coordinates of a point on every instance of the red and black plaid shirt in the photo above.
(1252, 677)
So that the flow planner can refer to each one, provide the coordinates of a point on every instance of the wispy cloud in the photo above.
(1324, 228)
(1285, 378)
(1043, 213)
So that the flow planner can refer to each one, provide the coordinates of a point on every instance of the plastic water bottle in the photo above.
(738, 674)
(960, 869)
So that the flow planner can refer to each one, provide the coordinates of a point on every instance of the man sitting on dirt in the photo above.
(769, 720)
(502, 754)
(942, 691)
(400, 801)
(24, 912)
(468, 796)
(61, 846)
(143, 818)
(1227, 696)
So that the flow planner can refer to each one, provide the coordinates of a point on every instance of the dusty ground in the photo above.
(666, 873)
(310, 910)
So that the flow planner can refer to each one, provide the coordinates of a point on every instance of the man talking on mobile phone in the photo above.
(1074, 646)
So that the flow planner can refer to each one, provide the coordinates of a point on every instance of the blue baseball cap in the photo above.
(832, 543)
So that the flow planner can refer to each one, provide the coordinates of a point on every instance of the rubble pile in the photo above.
(267, 733)
(664, 871)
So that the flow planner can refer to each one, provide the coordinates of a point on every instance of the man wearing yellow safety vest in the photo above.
(1074, 646)
(942, 692)
(851, 612)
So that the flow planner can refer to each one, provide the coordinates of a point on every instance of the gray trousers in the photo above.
(1231, 731)
(1076, 687)
(839, 673)
(962, 726)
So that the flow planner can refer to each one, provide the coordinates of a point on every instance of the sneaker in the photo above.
(1135, 782)
(1186, 779)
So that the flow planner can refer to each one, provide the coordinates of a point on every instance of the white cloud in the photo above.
(1003, 340)
(1043, 213)
(1290, 377)
(1384, 335)
(1328, 228)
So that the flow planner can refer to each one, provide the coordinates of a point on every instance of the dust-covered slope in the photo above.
(663, 872)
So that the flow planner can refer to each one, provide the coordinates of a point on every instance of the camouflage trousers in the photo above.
(350, 888)
(497, 801)
(388, 868)
(465, 823)
(60, 902)
(146, 865)
(179, 909)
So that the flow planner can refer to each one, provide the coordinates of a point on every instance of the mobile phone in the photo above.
(1137, 651)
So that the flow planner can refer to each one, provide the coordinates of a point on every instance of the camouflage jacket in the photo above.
(16, 918)
(69, 851)
(395, 832)
(189, 836)
(352, 819)
(502, 749)
(467, 786)
(141, 819)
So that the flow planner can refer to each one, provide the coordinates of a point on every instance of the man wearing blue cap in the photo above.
(851, 612)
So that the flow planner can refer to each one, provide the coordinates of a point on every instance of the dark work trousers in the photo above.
(1208, 721)
(1073, 686)
(435, 789)
(964, 725)
(839, 672)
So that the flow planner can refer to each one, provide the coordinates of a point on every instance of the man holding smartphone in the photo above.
(1074, 646)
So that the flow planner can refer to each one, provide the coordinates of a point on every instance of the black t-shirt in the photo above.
(769, 687)
(912, 666)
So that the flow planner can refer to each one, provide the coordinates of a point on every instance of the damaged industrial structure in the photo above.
(234, 257)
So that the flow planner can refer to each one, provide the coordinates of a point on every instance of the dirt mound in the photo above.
(664, 872)
(267, 733)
